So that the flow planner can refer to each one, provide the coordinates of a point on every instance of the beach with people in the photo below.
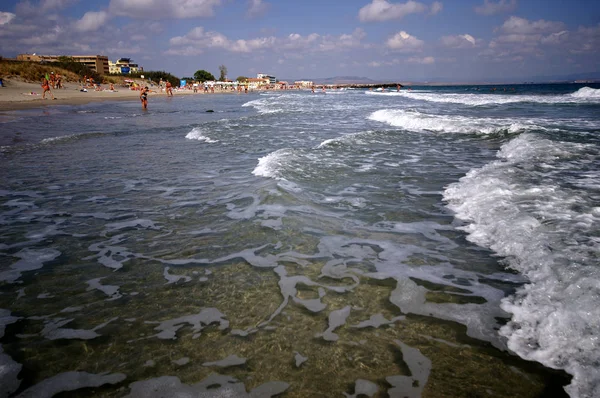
(18, 94)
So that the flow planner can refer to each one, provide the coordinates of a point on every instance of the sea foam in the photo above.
(583, 95)
(198, 134)
(418, 121)
(542, 229)
(271, 164)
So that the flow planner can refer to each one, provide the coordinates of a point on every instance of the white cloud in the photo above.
(404, 42)
(556, 38)
(185, 51)
(381, 10)
(520, 39)
(459, 41)
(521, 36)
(200, 38)
(345, 41)
(491, 8)
(296, 41)
(517, 25)
(248, 46)
(160, 9)
(374, 64)
(55, 4)
(584, 41)
(436, 7)
(256, 8)
(91, 21)
(422, 61)
(123, 47)
(6, 17)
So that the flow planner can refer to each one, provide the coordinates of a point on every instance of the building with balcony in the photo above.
(259, 82)
(272, 79)
(97, 63)
(124, 66)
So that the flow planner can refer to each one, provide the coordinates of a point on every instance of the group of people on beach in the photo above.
(51, 82)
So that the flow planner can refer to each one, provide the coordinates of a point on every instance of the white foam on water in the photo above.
(545, 232)
(272, 164)
(172, 278)
(393, 260)
(110, 255)
(417, 121)
(352, 139)
(110, 290)
(137, 223)
(53, 330)
(587, 92)
(70, 381)
(30, 260)
(9, 368)
(264, 105)
(583, 95)
(198, 134)
(70, 137)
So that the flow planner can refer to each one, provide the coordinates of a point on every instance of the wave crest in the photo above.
(198, 134)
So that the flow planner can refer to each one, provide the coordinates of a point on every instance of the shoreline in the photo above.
(17, 95)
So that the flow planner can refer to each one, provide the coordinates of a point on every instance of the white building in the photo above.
(304, 83)
(272, 79)
(125, 66)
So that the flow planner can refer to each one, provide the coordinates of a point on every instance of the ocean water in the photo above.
(435, 242)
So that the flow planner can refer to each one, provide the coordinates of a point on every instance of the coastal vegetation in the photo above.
(33, 71)
(73, 71)
(202, 75)
(154, 76)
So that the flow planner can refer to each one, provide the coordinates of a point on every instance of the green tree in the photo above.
(70, 64)
(202, 75)
(223, 73)
(155, 76)
(242, 79)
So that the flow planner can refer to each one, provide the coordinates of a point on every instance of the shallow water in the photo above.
(435, 242)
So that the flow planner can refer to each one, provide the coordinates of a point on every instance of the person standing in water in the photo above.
(144, 97)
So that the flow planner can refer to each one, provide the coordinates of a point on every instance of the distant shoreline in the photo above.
(19, 95)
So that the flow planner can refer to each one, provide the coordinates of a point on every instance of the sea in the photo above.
(437, 241)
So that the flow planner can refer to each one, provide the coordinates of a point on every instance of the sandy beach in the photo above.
(16, 94)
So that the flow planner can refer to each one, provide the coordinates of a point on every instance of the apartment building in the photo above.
(124, 66)
(97, 63)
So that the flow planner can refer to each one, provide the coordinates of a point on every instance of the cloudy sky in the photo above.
(459, 40)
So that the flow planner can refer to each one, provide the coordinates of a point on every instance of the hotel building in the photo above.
(97, 63)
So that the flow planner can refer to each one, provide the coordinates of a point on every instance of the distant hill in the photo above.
(592, 76)
(341, 80)
(570, 77)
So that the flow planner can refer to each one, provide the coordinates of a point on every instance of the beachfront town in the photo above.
(101, 65)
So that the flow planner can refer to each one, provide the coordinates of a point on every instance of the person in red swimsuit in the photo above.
(46, 88)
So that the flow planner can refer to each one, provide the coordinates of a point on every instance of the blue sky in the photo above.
(470, 40)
